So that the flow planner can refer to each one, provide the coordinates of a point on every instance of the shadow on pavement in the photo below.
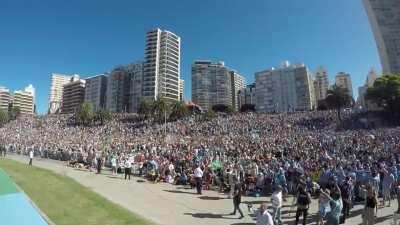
(180, 192)
(210, 198)
(210, 216)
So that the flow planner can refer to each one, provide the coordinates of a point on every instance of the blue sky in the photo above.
(91, 37)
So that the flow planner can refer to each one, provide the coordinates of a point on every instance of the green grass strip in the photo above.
(63, 200)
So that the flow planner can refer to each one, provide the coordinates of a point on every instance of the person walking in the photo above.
(30, 157)
(303, 204)
(128, 168)
(371, 207)
(276, 200)
(237, 199)
(198, 176)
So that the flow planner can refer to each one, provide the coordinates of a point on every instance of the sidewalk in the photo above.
(173, 205)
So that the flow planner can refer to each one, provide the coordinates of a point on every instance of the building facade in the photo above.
(343, 80)
(321, 84)
(362, 91)
(247, 96)
(73, 96)
(384, 16)
(162, 65)
(214, 84)
(181, 89)
(135, 73)
(118, 90)
(5, 98)
(56, 90)
(25, 100)
(95, 91)
(238, 83)
(286, 89)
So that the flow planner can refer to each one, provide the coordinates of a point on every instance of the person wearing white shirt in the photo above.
(30, 157)
(262, 215)
(198, 176)
(276, 200)
(128, 168)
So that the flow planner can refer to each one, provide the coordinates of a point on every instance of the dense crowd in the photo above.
(261, 152)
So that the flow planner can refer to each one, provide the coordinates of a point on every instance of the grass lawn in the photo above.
(65, 201)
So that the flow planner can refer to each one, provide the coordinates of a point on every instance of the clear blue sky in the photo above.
(91, 37)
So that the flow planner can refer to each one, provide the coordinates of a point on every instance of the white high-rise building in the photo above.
(238, 83)
(343, 80)
(289, 88)
(384, 16)
(162, 65)
(5, 98)
(73, 96)
(362, 91)
(181, 89)
(25, 100)
(56, 90)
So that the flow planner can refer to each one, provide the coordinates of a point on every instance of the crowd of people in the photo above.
(303, 153)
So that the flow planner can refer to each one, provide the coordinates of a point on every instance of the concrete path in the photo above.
(166, 204)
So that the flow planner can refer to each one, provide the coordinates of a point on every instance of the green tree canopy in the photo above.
(386, 93)
(103, 115)
(3, 117)
(85, 114)
(178, 111)
(337, 98)
(14, 112)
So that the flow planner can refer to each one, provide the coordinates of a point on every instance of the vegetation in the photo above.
(3, 117)
(337, 98)
(178, 110)
(386, 94)
(14, 112)
(65, 201)
(102, 115)
(248, 108)
(223, 108)
(85, 114)
(209, 115)
(161, 109)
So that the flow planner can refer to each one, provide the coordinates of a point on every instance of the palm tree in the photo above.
(337, 98)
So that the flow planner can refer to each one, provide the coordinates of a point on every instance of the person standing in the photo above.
(303, 204)
(276, 200)
(128, 168)
(336, 205)
(371, 206)
(198, 176)
(114, 165)
(237, 199)
(30, 157)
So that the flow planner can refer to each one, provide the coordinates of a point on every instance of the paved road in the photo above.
(166, 204)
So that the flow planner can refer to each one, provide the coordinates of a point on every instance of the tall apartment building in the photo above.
(213, 84)
(343, 80)
(56, 90)
(362, 91)
(384, 16)
(289, 88)
(238, 82)
(73, 96)
(24, 100)
(95, 91)
(247, 96)
(5, 98)
(125, 88)
(135, 73)
(321, 84)
(181, 89)
(162, 65)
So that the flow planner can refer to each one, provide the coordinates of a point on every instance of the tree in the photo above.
(160, 109)
(14, 112)
(223, 108)
(3, 117)
(145, 108)
(248, 108)
(103, 115)
(209, 115)
(386, 93)
(337, 98)
(178, 111)
(85, 114)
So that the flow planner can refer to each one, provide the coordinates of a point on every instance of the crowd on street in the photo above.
(302, 154)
